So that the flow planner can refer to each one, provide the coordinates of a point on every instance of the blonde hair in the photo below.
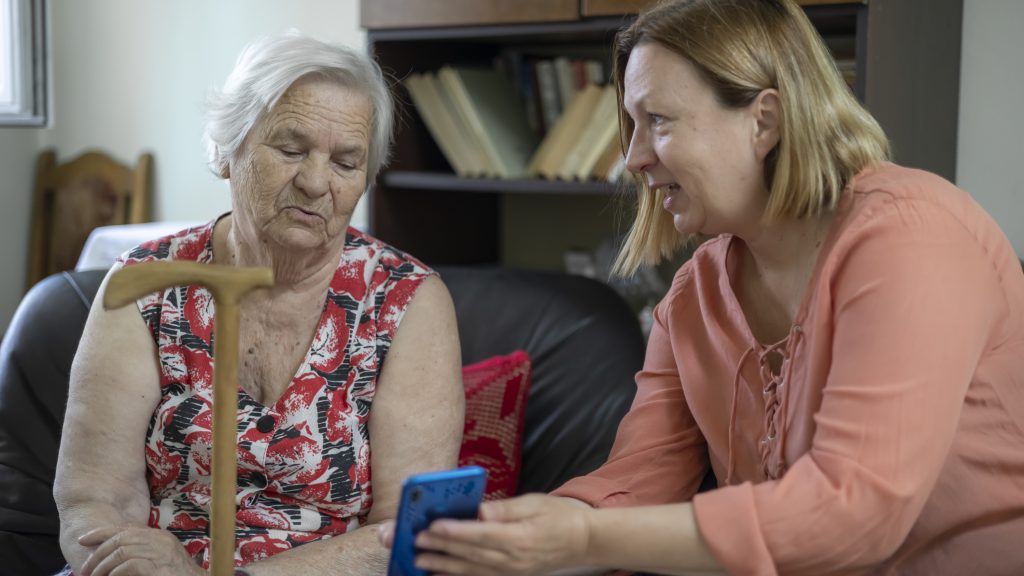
(742, 47)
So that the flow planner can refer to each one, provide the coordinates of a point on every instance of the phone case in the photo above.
(427, 497)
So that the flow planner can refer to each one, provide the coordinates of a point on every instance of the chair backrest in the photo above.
(73, 198)
(35, 360)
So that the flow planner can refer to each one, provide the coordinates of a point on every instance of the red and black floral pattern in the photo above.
(303, 463)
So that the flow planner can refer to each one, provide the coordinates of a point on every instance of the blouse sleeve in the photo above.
(659, 455)
(914, 298)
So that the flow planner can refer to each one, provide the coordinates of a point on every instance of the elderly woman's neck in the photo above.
(294, 271)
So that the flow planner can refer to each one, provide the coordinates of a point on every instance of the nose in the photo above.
(314, 176)
(640, 156)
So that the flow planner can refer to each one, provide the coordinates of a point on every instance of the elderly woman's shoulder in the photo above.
(190, 242)
(362, 246)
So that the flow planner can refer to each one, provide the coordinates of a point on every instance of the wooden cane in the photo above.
(228, 284)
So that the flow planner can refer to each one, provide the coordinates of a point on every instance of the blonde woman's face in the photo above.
(302, 168)
(700, 155)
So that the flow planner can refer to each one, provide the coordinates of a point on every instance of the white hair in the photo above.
(265, 70)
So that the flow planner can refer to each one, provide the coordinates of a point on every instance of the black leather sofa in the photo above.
(584, 342)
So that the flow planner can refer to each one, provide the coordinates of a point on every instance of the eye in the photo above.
(346, 163)
(655, 119)
(289, 151)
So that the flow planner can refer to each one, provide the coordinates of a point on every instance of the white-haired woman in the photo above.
(356, 341)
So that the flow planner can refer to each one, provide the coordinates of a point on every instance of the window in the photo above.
(23, 76)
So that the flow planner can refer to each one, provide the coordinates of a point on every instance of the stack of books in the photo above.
(476, 119)
(584, 142)
(480, 122)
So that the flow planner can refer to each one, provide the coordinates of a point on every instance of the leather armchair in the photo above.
(584, 342)
(35, 359)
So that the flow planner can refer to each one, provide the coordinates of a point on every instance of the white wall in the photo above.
(18, 150)
(990, 145)
(131, 76)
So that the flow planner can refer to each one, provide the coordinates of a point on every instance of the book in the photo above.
(547, 88)
(610, 157)
(565, 77)
(555, 147)
(496, 117)
(515, 65)
(480, 160)
(440, 123)
(602, 127)
(480, 165)
(595, 72)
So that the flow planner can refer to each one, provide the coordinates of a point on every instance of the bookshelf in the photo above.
(903, 56)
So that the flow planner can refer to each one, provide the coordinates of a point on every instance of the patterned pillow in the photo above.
(496, 391)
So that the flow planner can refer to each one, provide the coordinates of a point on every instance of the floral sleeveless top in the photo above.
(303, 463)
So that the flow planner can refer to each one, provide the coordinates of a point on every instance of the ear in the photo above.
(767, 115)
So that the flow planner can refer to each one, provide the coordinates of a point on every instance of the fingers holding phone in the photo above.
(454, 494)
(532, 534)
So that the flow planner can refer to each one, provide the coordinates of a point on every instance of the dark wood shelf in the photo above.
(597, 28)
(410, 180)
(906, 57)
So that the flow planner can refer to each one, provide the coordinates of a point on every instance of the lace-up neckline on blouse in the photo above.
(776, 395)
(774, 386)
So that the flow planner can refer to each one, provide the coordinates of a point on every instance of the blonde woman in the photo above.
(846, 354)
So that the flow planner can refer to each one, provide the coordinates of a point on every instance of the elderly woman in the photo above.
(846, 353)
(355, 342)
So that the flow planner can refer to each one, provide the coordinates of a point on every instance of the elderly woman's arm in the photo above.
(114, 388)
(415, 426)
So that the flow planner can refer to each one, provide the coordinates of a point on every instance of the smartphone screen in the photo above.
(427, 497)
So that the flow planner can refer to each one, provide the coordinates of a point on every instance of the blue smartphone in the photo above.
(427, 497)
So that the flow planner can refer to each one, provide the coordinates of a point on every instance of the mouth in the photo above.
(669, 190)
(302, 213)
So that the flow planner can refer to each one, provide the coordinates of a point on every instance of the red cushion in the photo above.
(496, 391)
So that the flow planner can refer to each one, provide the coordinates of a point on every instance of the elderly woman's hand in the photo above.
(532, 534)
(136, 550)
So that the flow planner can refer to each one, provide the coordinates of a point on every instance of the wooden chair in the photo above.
(73, 198)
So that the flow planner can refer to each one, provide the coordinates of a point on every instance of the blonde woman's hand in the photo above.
(532, 534)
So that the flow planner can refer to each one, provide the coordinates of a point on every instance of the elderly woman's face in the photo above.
(699, 153)
(302, 168)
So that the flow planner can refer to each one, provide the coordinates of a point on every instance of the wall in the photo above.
(18, 150)
(990, 147)
(130, 76)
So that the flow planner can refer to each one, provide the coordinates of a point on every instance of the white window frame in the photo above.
(23, 63)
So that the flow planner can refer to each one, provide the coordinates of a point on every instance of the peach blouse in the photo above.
(892, 438)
